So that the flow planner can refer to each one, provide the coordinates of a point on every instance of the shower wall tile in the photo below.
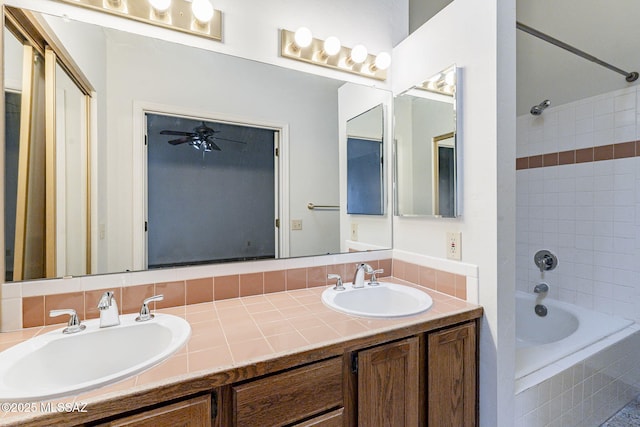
(583, 203)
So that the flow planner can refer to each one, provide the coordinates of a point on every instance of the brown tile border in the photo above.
(583, 155)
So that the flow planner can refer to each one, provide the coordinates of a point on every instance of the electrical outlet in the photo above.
(354, 231)
(296, 224)
(454, 247)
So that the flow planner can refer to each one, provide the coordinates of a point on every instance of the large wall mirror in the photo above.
(219, 119)
(427, 148)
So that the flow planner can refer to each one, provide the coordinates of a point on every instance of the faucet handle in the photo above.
(373, 281)
(338, 286)
(144, 310)
(106, 300)
(73, 325)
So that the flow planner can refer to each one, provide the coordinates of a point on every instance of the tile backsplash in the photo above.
(182, 292)
(578, 195)
(34, 308)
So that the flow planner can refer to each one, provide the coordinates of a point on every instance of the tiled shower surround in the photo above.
(586, 211)
(578, 195)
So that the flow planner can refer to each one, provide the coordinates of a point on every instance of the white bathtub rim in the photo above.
(540, 375)
(593, 326)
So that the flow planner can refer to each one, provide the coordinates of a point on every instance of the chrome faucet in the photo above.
(358, 277)
(541, 288)
(109, 315)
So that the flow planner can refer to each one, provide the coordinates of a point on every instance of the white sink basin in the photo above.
(384, 300)
(55, 364)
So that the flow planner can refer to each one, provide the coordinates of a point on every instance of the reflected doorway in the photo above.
(211, 191)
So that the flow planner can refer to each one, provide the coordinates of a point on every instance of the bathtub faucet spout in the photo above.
(541, 288)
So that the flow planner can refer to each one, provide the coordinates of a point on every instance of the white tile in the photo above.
(603, 122)
(11, 290)
(603, 137)
(11, 314)
(586, 125)
(624, 118)
(603, 104)
(585, 140)
(624, 134)
(626, 101)
(584, 109)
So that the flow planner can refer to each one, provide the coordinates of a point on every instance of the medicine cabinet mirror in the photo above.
(427, 148)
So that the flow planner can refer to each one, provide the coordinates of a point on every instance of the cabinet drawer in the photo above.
(332, 419)
(285, 398)
(194, 412)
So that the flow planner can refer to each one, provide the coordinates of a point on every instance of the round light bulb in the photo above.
(303, 37)
(332, 45)
(383, 60)
(450, 78)
(160, 5)
(359, 54)
(202, 10)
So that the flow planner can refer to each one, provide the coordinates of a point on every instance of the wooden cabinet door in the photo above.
(389, 385)
(451, 377)
(194, 412)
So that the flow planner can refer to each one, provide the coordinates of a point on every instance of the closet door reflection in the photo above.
(71, 177)
(30, 235)
(47, 225)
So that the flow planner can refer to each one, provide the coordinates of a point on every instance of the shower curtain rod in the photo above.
(630, 77)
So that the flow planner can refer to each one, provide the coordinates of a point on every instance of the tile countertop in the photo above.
(231, 335)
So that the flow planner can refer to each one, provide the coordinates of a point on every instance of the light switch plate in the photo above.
(454, 248)
(296, 224)
(354, 231)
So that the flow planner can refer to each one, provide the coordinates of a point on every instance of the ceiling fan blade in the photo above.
(180, 140)
(214, 146)
(227, 139)
(176, 132)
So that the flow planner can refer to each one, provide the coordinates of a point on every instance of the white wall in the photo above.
(479, 37)
(251, 27)
(587, 214)
(373, 230)
(180, 77)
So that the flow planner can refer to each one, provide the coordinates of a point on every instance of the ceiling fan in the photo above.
(202, 137)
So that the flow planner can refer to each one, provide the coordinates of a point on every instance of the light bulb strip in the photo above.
(178, 17)
(440, 84)
(314, 54)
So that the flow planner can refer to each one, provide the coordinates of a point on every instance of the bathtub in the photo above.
(566, 329)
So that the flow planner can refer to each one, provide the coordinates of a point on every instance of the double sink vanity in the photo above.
(406, 355)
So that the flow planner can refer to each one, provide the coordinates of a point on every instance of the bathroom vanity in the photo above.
(417, 370)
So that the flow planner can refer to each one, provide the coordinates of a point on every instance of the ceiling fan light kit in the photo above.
(197, 17)
(201, 138)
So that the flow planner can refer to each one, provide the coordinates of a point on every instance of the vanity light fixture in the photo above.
(202, 10)
(160, 6)
(302, 46)
(443, 83)
(196, 17)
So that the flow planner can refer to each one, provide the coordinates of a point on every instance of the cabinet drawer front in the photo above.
(284, 398)
(332, 419)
